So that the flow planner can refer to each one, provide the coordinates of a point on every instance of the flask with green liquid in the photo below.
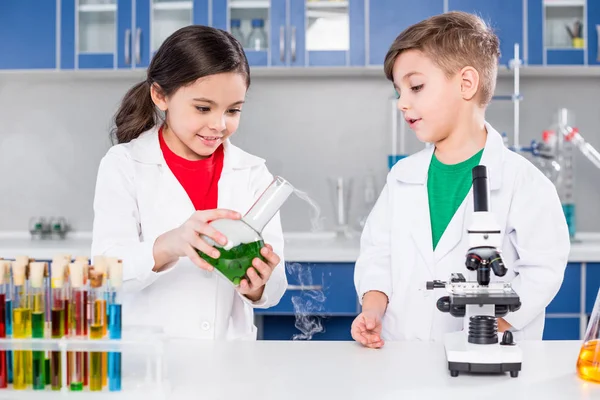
(244, 239)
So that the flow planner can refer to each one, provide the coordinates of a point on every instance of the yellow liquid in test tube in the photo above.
(23, 359)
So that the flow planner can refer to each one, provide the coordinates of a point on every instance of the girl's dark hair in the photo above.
(188, 54)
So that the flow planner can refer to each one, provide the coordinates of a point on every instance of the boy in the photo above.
(444, 71)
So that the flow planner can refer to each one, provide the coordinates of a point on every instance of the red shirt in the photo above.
(199, 178)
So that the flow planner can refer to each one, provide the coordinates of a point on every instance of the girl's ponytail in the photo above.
(136, 114)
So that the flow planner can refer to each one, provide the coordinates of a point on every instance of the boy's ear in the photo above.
(469, 82)
(158, 97)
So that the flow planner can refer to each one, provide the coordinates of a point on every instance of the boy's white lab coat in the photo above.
(137, 199)
(397, 256)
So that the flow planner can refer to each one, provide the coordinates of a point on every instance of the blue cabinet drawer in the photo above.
(283, 327)
(561, 328)
(317, 289)
(568, 298)
(565, 57)
(592, 284)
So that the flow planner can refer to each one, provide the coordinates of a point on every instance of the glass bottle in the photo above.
(244, 239)
(257, 40)
(588, 362)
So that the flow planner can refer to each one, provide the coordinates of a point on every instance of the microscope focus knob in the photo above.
(507, 339)
(443, 304)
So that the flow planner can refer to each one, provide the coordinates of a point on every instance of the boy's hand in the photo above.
(366, 329)
(503, 325)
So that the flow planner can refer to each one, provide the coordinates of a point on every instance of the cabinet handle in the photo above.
(138, 45)
(128, 46)
(598, 39)
(282, 43)
(305, 287)
(293, 44)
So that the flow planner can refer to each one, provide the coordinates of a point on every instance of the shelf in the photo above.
(564, 3)
(98, 8)
(175, 5)
(133, 76)
(254, 4)
(315, 5)
(549, 48)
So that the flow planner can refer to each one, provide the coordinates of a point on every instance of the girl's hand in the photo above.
(254, 286)
(183, 241)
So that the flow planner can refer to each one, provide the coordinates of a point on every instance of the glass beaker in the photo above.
(588, 362)
(341, 190)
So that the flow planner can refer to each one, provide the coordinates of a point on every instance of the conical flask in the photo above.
(588, 363)
(244, 239)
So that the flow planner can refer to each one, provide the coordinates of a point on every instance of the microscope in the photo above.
(477, 348)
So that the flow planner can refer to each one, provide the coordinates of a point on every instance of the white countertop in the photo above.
(344, 370)
(299, 247)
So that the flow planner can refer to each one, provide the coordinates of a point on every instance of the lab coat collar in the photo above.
(414, 169)
(146, 149)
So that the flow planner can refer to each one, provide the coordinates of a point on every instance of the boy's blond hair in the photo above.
(452, 41)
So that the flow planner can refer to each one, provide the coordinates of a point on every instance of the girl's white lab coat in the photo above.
(397, 256)
(137, 199)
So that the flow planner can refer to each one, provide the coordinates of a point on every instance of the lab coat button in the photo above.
(205, 326)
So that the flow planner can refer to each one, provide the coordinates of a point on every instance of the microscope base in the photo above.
(496, 358)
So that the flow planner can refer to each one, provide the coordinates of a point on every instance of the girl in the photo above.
(158, 188)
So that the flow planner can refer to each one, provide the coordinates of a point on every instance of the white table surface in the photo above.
(299, 247)
(344, 370)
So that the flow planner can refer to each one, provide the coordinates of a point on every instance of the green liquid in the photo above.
(39, 357)
(76, 386)
(234, 263)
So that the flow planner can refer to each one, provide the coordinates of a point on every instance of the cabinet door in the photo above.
(96, 34)
(28, 32)
(593, 31)
(335, 31)
(388, 18)
(504, 16)
(158, 19)
(252, 23)
(535, 32)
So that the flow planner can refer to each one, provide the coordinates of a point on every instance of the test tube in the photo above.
(37, 293)
(67, 298)
(79, 323)
(3, 361)
(115, 274)
(85, 262)
(97, 326)
(21, 322)
(101, 266)
(8, 316)
(58, 319)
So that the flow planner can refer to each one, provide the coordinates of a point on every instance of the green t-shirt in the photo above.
(447, 187)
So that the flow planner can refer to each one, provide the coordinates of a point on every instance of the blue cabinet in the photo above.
(549, 41)
(562, 329)
(318, 289)
(299, 33)
(504, 16)
(388, 18)
(315, 328)
(592, 286)
(593, 32)
(120, 33)
(319, 304)
(157, 20)
(28, 32)
(568, 298)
